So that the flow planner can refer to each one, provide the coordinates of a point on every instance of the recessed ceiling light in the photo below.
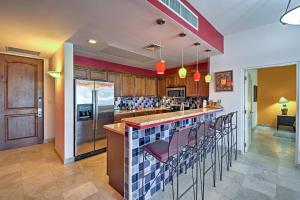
(92, 41)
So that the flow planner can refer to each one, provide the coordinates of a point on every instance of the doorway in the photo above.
(21, 101)
(264, 89)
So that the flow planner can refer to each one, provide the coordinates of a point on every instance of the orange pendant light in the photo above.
(161, 64)
(161, 67)
(197, 74)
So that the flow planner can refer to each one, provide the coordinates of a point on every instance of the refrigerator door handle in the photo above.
(96, 110)
(93, 96)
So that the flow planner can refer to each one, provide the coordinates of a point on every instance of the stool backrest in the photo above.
(228, 118)
(179, 139)
(219, 122)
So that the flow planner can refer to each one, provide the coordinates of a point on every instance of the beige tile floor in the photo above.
(265, 172)
(36, 172)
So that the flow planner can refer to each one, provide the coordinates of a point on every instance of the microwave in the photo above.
(176, 92)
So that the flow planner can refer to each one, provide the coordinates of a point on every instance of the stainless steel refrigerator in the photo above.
(94, 107)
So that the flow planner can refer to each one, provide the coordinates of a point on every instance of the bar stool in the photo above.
(233, 128)
(169, 154)
(198, 143)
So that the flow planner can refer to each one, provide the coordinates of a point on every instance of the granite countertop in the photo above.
(117, 128)
(121, 112)
(150, 120)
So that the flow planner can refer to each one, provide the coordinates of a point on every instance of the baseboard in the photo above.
(69, 160)
(48, 140)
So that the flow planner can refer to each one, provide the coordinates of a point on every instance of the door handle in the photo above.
(40, 112)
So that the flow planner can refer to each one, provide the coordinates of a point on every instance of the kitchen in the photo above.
(141, 100)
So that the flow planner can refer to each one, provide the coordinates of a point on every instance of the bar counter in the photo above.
(140, 131)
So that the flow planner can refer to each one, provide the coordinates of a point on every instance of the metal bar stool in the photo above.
(233, 127)
(168, 153)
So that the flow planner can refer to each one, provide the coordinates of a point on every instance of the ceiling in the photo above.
(121, 27)
(233, 16)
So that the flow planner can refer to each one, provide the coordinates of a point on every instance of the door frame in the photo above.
(243, 106)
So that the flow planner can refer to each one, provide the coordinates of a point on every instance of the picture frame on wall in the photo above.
(224, 81)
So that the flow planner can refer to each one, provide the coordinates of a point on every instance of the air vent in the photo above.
(152, 47)
(22, 51)
(182, 11)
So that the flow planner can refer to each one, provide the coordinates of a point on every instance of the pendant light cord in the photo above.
(288, 6)
(197, 57)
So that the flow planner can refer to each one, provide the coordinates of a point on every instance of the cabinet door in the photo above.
(98, 75)
(116, 79)
(203, 87)
(191, 86)
(139, 86)
(81, 73)
(170, 81)
(179, 81)
(151, 87)
(161, 87)
(127, 85)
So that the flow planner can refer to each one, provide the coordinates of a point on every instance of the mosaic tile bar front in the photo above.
(135, 139)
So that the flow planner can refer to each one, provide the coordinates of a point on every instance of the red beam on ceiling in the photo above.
(206, 30)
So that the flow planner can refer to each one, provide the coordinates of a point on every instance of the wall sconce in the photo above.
(54, 74)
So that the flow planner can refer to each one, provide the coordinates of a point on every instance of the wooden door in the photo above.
(116, 79)
(161, 82)
(179, 81)
(151, 87)
(139, 86)
(21, 101)
(98, 75)
(127, 85)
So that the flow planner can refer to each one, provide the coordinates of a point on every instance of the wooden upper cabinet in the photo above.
(179, 81)
(98, 75)
(116, 79)
(127, 85)
(170, 81)
(161, 85)
(140, 86)
(191, 86)
(203, 87)
(81, 72)
(151, 86)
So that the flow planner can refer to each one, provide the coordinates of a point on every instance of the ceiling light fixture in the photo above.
(182, 71)
(161, 64)
(92, 41)
(208, 76)
(197, 73)
(291, 17)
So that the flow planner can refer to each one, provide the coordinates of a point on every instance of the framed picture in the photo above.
(255, 93)
(224, 81)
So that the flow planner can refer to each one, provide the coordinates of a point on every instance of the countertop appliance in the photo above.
(176, 92)
(94, 107)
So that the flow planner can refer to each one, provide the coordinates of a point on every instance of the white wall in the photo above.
(253, 75)
(273, 44)
(49, 107)
(69, 101)
(62, 61)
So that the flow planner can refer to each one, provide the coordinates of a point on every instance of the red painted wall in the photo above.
(109, 66)
(206, 31)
